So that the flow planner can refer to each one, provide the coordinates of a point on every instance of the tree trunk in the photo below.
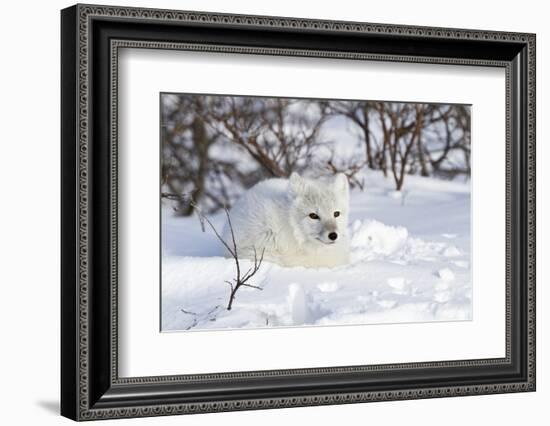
(421, 158)
(366, 131)
(201, 144)
(414, 137)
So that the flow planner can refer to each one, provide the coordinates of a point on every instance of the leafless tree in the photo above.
(214, 147)
(401, 127)
(185, 148)
(279, 134)
(456, 137)
(358, 112)
(407, 138)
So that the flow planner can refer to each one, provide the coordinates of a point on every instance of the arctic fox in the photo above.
(295, 222)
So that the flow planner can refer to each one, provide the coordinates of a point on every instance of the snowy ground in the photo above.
(410, 263)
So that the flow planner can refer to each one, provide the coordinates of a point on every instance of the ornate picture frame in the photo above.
(91, 37)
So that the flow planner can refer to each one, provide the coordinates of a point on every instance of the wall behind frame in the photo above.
(29, 225)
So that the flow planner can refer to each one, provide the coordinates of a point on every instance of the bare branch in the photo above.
(203, 217)
(240, 280)
(251, 286)
(230, 284)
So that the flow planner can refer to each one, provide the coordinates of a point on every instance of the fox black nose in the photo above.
(333, 236)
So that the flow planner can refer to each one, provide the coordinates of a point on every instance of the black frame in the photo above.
(91, 37)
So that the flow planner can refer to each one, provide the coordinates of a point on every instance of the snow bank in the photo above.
(377, 238)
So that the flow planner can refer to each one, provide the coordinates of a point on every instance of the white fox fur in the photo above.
(296, 221)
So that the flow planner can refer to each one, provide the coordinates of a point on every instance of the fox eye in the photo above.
(336, 214)
(313, 216)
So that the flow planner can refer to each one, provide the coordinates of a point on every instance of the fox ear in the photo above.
(341, 183)
(297, 183)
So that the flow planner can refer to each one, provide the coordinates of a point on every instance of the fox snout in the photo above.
(330, 232)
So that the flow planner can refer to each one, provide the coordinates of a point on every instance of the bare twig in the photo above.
(349, 171)
(240, 280)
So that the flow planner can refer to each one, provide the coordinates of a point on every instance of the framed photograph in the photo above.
(263, 212)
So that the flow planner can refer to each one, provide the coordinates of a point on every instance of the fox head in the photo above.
(319, 209)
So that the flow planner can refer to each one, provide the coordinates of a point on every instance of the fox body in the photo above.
(294, 222)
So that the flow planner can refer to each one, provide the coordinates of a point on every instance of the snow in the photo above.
(451, 251)
(446, 274)
(377, 238)
(410, 263)
(399, 285)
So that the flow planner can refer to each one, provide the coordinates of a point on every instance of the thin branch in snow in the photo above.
(240, 280)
